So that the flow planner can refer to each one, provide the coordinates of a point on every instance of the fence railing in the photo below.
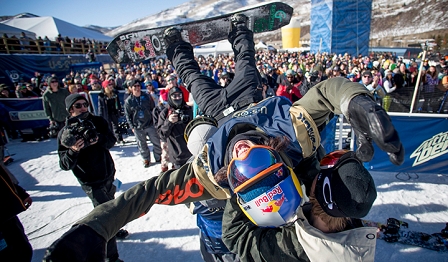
(14, 46)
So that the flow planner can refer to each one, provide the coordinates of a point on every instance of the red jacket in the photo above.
(283, 91)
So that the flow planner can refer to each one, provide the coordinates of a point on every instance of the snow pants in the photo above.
(212, 99)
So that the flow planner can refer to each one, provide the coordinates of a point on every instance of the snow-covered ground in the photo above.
(170, 233)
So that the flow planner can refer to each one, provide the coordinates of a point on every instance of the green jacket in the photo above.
(54, 104)
(194, 181)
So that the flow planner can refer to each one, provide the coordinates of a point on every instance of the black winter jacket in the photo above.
(173, 134)
(108, 105)
(133, 105)
(12, 196)
(92, 165)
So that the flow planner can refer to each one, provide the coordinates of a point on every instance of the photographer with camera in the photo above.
(171, 126)
(83, 147)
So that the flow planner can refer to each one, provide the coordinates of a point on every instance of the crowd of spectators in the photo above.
(292, 72)
(45, 45)
(390, 79)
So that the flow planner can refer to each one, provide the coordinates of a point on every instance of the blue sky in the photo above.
(85, 12)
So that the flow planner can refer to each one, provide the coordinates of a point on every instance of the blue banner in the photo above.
(23, 113)
(15, 67)
(425, 140)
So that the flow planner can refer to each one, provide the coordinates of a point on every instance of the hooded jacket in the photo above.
(173, 133)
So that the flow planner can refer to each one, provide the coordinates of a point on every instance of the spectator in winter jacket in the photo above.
(171, 126)
(109, 107)
(138, 109)
(89, 160)
(53, 102)
(14, 244)
(289, 87)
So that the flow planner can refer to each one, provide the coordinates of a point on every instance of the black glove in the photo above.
(371, 122)
(80, 243)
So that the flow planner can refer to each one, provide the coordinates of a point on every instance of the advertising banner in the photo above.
(425, 140)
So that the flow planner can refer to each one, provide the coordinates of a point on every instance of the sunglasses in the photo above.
(53, 81)
(137, 85)
(367, 76)
(80, 105)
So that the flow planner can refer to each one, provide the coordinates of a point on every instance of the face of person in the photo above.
(110, 86)
(79, 107)
(366, 79)
(136, 89)
(54, 84)
(241, 148)
(172, 80)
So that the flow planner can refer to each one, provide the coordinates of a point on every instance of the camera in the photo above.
(76, 129)
(53, 130)
(182, 116)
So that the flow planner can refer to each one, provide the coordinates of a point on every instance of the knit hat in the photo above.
(348, 191)
(71, 99)
(367, 73)
(105, 83)
(51, 78)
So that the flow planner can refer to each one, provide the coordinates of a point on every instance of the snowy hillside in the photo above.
(389, 18)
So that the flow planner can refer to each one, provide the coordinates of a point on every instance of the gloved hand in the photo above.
(80, 243)
(371, 123)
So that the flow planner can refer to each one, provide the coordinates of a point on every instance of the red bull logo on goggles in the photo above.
(268, 191)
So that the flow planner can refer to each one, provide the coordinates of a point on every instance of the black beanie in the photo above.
(348, 191)
(71, 99)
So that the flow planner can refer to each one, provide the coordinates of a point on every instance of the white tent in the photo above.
(14, 31)
(51, 27)
(261, 45)
(220, 47)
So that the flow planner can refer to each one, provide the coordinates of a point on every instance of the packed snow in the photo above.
(169, 233)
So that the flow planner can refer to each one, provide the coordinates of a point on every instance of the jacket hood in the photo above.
(178, 103)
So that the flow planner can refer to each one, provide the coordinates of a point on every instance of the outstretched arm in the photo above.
(187, 184)
(370, 121)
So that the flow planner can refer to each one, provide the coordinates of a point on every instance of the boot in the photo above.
(146, 163)
(172, 35)
(238, 22)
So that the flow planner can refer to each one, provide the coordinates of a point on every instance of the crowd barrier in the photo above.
(424, 136)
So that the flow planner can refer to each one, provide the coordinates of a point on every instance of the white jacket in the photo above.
(356, 244)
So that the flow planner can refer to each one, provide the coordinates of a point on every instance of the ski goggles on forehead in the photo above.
(257, 163)
(329, 166)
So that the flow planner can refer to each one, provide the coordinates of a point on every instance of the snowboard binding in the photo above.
(390, 230)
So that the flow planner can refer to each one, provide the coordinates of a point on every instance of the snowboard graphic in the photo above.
(395, 230)
(141, 45)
